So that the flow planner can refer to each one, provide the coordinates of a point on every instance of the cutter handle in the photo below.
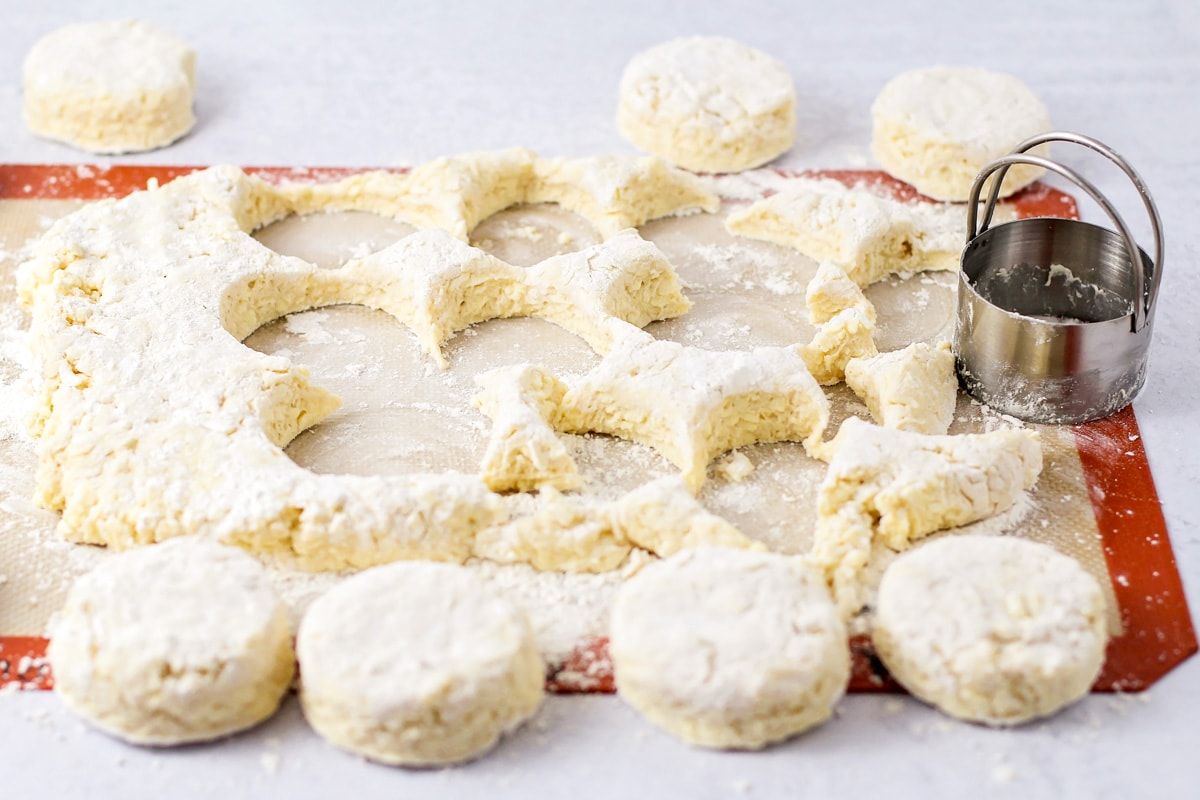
(1020, 156)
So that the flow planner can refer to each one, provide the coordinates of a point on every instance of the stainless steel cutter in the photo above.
(1055, 315)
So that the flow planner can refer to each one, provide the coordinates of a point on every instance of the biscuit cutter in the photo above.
(1055, 315)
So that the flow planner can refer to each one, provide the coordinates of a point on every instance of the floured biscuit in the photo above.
(991, 629)
(729, 648)
(913, 389)
(937, 127)
(708, 104)
(182, 642)
(110, 87)
(417, 664)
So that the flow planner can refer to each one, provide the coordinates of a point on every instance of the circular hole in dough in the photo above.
(937, 127)
(180, 642)
(729, 648)
(991, 629)
(707, 103)
(417, 664)
(110, 87)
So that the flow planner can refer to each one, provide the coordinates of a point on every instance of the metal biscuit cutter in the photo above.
(1055, 315)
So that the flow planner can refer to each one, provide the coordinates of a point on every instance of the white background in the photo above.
(396, 83)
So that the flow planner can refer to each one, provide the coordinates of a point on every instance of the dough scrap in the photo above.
(569, 534)
(691, 405)
(110, 87)
(593, 293)
(140, 441)
(848, 335)
(456, 193)
(708, 103)
(868, 236)
(735, 467)
(831, 291)
(564, 534)
(182, 642)
(523, 451)
(618, 192)
(437, 285)
(416, 664)
(913, 389)
(729, 648)
(937, 127)
(896, 487)
(992, 629)
(663, 517)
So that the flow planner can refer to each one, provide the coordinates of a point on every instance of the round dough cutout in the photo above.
(416, 664)
(991, 629)
(110, 87)
(729, 648)
(179, 642)
(935, 128)
(708, 104)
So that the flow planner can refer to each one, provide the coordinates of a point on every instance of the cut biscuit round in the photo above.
(416, 664)
(707, 103)
(935, 128)
(181, 642)
(729, 648)
(110, 87)
(991, 629)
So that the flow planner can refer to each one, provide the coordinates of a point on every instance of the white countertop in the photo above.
(392, 83)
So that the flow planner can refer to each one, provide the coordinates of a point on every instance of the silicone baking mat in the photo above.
(1095, 499)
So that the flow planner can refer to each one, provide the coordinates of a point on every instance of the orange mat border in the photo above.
(1158, 630)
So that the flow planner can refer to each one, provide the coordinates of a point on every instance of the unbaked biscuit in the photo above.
(937, 127)
(997, 630)
(729, 648)
(180, 642)
(707, 103)
(110, 87)
(417, 664)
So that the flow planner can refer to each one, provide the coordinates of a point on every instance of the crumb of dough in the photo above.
(735, 467)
